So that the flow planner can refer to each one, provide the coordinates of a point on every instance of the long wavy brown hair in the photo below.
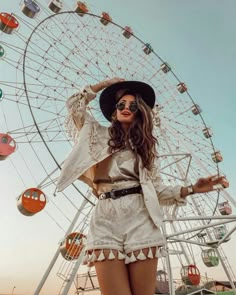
(139, 136)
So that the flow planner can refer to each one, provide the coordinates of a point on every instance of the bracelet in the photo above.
(104, 84)
(190, 189)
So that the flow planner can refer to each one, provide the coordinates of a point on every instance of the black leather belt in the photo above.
(116, 194)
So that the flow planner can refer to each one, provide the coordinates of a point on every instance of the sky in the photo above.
(196, 38)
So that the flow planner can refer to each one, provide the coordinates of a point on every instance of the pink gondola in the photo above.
(7, 146)
(225, 208)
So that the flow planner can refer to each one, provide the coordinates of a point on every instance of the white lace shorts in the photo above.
(123, 225)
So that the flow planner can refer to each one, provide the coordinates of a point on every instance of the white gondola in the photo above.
(196, 110)
(165, 67)
(30, 8)
(147, 48)
(207, 132)
(55, 6)
(182, 87)
(217, 157)
(220, 232)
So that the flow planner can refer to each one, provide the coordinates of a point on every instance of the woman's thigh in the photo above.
(113, 277)
(142, 276)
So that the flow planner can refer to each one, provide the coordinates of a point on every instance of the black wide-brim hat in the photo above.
(108, 96)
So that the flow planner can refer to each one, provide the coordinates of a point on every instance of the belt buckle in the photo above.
(102, 196)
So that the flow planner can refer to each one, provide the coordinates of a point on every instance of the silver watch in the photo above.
(190, 190)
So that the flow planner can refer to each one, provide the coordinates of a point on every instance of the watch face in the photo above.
(190, 189)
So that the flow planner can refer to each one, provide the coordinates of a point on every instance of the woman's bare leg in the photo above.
(112, 276)
(142, 275)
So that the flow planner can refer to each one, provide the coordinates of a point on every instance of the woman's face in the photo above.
(126, 113)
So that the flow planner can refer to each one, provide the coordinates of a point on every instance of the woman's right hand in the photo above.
(112, 81)
(106, 83)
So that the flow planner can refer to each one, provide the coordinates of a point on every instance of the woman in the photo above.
(120, 164)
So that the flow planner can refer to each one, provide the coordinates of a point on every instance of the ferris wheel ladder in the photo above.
(224, 261)
(68, 275)
(227, 267)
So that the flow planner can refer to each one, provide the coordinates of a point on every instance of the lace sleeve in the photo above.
(77, 111)
(167, 195)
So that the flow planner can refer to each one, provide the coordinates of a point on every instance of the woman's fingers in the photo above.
(212, 182)
(114, 80)
(224, 182)
(220, 182)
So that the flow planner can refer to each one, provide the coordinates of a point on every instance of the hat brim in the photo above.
(108, 96)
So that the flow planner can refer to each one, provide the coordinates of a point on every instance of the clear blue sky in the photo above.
(197, 39)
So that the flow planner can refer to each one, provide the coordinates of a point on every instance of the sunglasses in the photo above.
(133, 106)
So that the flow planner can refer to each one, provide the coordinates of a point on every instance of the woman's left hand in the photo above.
(204, 185)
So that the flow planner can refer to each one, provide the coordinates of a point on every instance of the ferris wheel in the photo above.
(56, 49)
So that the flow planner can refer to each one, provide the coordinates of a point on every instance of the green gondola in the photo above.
(2, 51)
(210, 257)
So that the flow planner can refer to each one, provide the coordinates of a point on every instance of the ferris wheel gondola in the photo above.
(31, 201)
(190, 275)
(225, 208)
(81, 8)
(8, 23)
(72, 245)
(7, 146)
(55, 5)
(210, 257)
(30, 8)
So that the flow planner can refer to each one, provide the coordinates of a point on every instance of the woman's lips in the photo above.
(125, 114)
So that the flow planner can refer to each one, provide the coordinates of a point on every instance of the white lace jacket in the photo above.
(91, 147)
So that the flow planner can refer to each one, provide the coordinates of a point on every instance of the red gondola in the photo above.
(7, 146)
(127, 32)
(72, 246)
(31, 201)
(8, 23)
(105, 18)
(81, 8)
(190, 275)
(225, 208)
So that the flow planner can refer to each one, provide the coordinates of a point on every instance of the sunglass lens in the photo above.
(120, 106)
(133, 107)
